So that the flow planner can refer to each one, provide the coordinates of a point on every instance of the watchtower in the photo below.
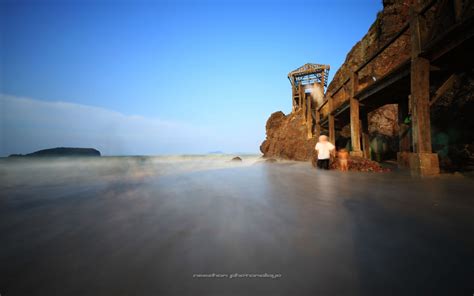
(307, 85)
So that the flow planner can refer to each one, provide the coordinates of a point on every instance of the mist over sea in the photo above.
(21, 171)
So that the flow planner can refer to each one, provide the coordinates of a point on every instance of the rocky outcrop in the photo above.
(287, 137)
(384, 121)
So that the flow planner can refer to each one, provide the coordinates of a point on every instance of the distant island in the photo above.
(216, 152)
(61, 151)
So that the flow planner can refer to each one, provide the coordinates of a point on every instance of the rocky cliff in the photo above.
(286, 137)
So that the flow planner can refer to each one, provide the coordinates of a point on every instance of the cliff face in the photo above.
(388, 23)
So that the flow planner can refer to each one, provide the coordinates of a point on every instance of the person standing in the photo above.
(343, 158)
(324, 149)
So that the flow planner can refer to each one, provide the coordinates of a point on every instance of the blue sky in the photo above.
(218, 67)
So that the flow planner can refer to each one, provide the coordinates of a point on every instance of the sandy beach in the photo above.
(207, 226)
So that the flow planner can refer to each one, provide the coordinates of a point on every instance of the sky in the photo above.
(161, 77)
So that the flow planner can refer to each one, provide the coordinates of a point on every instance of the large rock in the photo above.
(384, 121)
(287, 137)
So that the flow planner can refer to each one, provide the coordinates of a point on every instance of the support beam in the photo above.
(317, 131)
(354, 117)
(364, 122)
(309, 117)
(299, 95)
(420, 90)
(422, 162)
(322, 82)
(293, 99)
(302, 98)
(332, 130)
(447, 85)
(303, 104)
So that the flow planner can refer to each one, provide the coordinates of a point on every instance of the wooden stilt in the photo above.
(422, 162)
(309, 117)
(354, 117)
(364, 123)
(317, 131)
(332, 129)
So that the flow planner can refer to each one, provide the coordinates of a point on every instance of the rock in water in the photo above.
(61, 151)
(287, 137)
(237, 158)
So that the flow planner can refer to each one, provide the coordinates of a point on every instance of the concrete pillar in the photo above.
(420, 83)
(293, 99)
(422, 162)
(364, 123)
(299, 96)
(309, 117)
(332, 130)
(331, 126)
(317, 131)
(303, 104)
(302, 99)
(354, 117)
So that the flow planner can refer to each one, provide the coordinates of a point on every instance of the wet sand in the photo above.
(135, 226)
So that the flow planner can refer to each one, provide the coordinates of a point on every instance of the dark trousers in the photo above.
(323, 164)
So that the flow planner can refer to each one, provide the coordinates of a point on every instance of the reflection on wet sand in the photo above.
(141, 226)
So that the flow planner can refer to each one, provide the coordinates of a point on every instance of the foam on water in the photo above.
(54, 170)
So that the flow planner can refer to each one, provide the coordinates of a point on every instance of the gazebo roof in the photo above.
(308, 68)
(310, 72)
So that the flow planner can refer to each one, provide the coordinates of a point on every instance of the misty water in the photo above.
(171, 225)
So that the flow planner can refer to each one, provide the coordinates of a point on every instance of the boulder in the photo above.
(287, 137)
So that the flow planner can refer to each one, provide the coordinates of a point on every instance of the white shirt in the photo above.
(324, 149)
